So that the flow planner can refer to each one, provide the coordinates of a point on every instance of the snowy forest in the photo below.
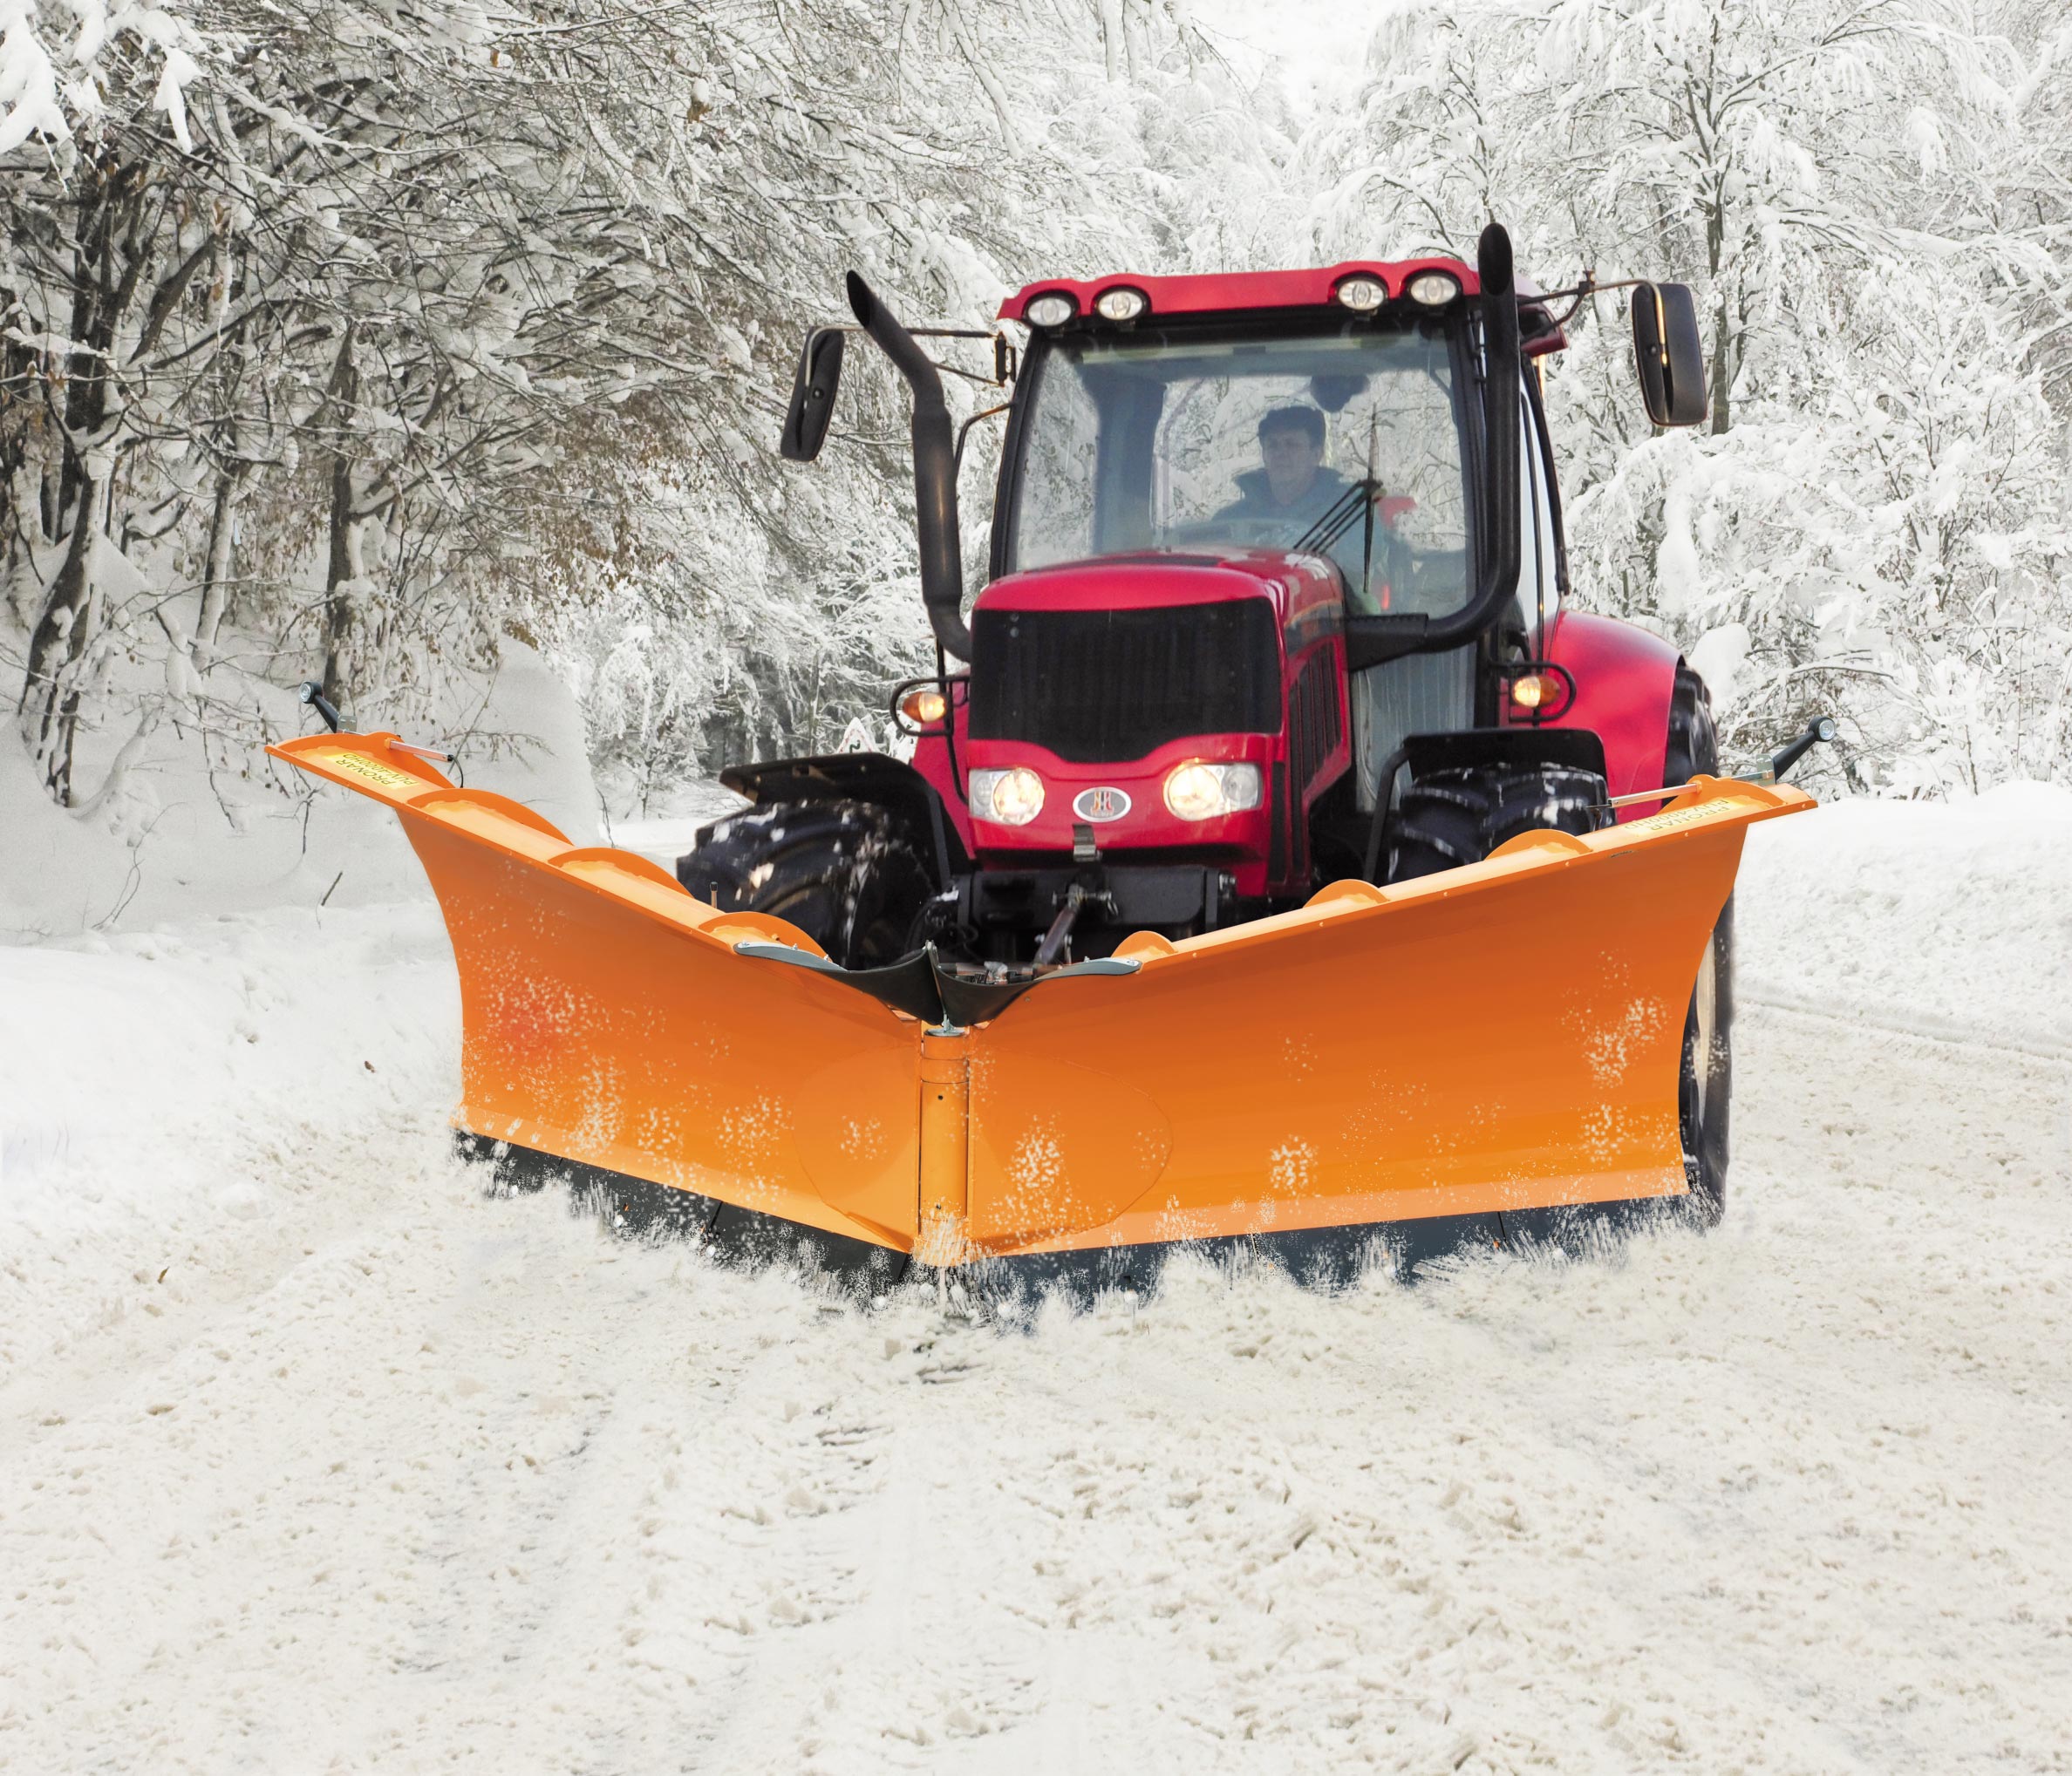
(538, 1259)
(368, 343)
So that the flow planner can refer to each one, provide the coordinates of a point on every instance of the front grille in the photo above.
(1107, 686)
(1312, 719)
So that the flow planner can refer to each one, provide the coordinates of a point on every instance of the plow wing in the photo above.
(1446, 1054)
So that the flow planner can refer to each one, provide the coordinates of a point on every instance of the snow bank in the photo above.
(190, 1098)
(1942, 918)
(167, 840)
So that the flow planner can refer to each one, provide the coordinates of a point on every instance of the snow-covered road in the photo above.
(311, 1458)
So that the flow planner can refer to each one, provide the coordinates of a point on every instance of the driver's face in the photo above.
(1292, 463)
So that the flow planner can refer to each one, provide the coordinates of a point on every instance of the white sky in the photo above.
(1320, 44)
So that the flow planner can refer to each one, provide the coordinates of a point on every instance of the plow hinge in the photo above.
(945, 1147)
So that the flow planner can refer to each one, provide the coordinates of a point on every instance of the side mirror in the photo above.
(813, 396)
(1669, 353)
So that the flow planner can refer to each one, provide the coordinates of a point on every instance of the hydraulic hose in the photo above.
(935, 472)
(1370, 640)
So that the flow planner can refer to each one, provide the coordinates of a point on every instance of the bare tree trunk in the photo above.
(341, 568)
(1723, 334)
(107, 264)
(1723, 369)
(50, 701)
(338, 585)
(216, 574)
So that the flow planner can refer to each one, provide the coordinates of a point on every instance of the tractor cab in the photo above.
(1330, 433)
(1261, 544)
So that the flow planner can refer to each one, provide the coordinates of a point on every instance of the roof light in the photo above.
(1121, 305)
(1360, 293)
(1434, 289)
(1053, 308)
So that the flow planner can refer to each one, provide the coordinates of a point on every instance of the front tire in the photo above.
(841, 871)
(1705, 1081)
(1460, 816)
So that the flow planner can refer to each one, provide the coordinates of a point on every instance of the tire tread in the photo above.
(840, 870)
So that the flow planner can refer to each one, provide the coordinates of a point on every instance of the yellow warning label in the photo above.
(372, 770)
(1674, 818)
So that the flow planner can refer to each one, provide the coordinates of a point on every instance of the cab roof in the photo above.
(1252, 292)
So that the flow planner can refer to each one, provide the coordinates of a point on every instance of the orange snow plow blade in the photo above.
(1450, 1052)
(607, 1020)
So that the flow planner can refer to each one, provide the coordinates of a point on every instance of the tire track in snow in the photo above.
(471, 1482)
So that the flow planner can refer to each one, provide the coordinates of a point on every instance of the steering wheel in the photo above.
(1269, 532)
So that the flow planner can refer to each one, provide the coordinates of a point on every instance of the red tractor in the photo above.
(1277, 596)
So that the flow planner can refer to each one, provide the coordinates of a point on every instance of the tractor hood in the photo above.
(1104, 677)
(1299, 586)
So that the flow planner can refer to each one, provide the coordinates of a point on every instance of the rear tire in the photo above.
(1705, 1085)
(1460, 816)
(841, 871)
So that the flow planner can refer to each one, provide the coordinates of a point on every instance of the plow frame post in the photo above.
(945, 1173)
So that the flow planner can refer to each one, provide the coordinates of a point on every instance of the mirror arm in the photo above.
(970, 376)
(1821, 728)
(964, 432)
(1003, 352)
(1581, 292)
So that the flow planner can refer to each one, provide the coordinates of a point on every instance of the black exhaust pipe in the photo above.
(1503, 420)
(934, 472)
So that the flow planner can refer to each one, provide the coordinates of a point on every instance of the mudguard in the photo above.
(1625, 678)
(1492, 1039)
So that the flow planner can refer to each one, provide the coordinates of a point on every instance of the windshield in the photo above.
(1342, 441)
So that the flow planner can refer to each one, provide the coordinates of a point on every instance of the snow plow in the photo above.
(1278, 864)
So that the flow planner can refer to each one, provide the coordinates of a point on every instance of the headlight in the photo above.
(1360, 293)
(1199, 792)
(1121, 305)
(1013, 798)
(1053, 308)
(1434, 289)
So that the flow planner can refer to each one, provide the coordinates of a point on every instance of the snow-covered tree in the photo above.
(1875, 520)
(342, 340)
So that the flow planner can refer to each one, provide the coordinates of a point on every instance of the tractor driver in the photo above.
(1292, 489)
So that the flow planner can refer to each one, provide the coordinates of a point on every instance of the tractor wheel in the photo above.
(840, 871)
(1455, 817)
(1706, 1082)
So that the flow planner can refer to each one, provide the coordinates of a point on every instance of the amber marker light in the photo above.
(923, 708)
(1543, 693)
